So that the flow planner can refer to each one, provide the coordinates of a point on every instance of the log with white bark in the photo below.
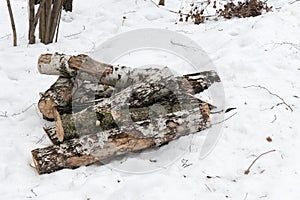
(129, 105)
(85, 68)
(93, 148)
(67, 95)
(60, 93)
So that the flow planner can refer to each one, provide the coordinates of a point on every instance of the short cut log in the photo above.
(93, 148)
(85, 68)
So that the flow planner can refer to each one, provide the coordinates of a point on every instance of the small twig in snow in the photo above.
(41, 139)
(177, 12)
(33, 192)
(154, 3)
(23, 111)
(265, 196)
(66, 36)
(296, 46)
(246, 196)
(275, 117)
(185, 163)
(248, 170)
(224, 119)
(294, 1)
(5, 36)
(273, 94)
(208, 187)
(3, 114)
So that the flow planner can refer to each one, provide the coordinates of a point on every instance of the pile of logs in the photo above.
(100, 111)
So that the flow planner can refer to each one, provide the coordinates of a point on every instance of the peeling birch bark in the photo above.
(59, 95)
(86, 68)
(67, 95)
(129, 105)
(93, 148)
(51, 133)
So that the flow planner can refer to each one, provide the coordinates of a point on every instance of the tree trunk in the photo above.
(68, 5)
(12, 21)
(31, 36)
(161, 2)
(52, 20)
(89, 149)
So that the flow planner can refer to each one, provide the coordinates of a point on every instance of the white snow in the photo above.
(264, 51)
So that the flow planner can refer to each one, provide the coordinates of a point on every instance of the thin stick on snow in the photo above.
(224, 119)
(294, 2)
(248, 170)
(273, 94)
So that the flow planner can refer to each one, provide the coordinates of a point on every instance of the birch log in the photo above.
(60, 92)
(51, 133)
(84, 67)
(57, 97)
(67, 95)
(130, 104)
(92, 148)
(87, 68)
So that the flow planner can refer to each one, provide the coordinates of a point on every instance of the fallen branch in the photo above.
(247, 171)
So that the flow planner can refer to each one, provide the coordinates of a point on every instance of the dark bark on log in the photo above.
(89, 149)
(51, 133)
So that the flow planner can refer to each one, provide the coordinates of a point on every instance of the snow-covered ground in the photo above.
(261, 51)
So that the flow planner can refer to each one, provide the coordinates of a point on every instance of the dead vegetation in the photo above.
(198, 13)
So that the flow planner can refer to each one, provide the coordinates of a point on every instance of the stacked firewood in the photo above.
(100, 111)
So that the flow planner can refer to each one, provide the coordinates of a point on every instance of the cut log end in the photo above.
(35, 162)
(59, 127)
(47, 107)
